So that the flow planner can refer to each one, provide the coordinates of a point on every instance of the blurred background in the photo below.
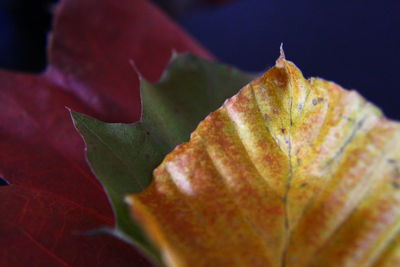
(354, 43)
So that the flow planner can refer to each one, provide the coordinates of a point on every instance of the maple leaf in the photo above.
(53, 199)
(123, 156)
(288, 172)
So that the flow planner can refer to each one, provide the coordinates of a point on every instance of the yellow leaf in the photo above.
(288, 172)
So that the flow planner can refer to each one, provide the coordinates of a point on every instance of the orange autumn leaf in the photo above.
(288, 172)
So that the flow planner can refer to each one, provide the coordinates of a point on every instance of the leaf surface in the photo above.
(288, 172)
(123, 156)
(54, 200)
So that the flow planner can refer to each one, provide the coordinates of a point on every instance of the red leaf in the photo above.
(94, 41)
(53, 198)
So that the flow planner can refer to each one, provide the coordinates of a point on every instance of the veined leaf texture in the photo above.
(288, 172)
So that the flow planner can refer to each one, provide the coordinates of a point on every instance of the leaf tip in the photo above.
(74, 115)
(174, 55)
(280, 62)
(78, 119)
(136, 70)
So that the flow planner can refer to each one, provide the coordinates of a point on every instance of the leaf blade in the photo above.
(121, 155)
(278, 176)
(54, 199)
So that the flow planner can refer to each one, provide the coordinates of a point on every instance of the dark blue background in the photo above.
(355, 43)
(23, 33)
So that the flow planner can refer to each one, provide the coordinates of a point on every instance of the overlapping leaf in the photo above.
(288, 172)
(123, 156)
(53, 199)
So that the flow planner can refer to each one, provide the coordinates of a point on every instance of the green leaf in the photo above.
(123, 156)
